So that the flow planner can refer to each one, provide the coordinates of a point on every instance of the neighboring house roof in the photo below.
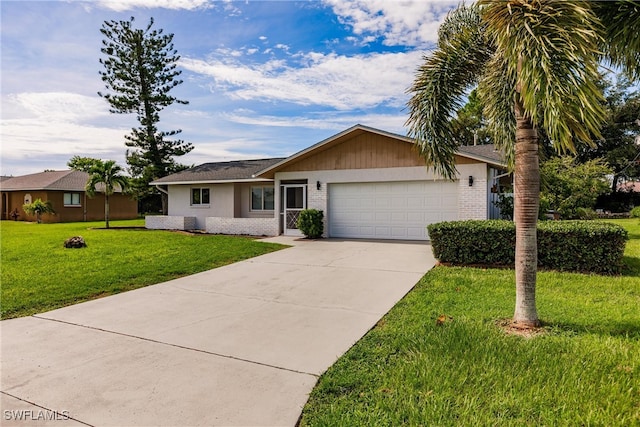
(67, 180)
(240, 170)
(487, 153)
(630, 186)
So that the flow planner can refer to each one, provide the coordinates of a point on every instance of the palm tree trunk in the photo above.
(526, 205)
(106, 210)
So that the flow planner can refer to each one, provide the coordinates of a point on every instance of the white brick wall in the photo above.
(160, 222)
(242, 226)
(472, 201)
(317, 199)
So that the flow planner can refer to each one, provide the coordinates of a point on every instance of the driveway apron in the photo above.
(239, 345)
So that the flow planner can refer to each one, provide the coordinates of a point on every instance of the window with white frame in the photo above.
(200, 196)
(72, 199)
(262, 198)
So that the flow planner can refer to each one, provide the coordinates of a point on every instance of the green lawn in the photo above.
(39, 274)
(584, 370)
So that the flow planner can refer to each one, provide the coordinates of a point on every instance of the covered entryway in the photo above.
(295, 201)
(390, 210)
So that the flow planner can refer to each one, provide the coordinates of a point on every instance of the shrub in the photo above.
(635, 212)
(582, 246)
(490, 242)
(310, 222)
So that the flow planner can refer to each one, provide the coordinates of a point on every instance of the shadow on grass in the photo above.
(631, 266)
(622, 329)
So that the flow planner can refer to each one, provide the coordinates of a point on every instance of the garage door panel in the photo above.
(399, 217)
(413, 217)
(396, 210)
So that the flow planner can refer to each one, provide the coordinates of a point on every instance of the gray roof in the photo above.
(486, 152)
(220, 171)
(67, 180)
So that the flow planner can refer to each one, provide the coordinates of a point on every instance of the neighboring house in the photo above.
(66, 192)
(369, 183)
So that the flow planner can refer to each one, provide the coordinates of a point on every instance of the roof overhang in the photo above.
(491, 162)
(212, 181)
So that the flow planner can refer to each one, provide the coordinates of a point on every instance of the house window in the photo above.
(72, 199)
(262, 198)
(199, 196)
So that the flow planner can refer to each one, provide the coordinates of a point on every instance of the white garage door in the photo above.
(390, 210)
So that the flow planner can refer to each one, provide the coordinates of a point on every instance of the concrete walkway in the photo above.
(240, 345)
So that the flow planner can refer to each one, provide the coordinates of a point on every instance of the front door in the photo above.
(295, 200)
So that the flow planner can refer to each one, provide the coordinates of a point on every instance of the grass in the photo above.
(413, 370)
(38, 274)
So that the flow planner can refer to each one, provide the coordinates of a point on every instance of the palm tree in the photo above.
(109, 174)
(535, 64)
(39, 208)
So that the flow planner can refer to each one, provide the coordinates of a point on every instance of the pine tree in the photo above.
(139, 73)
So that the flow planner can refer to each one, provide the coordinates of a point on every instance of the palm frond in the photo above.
(497, 91)
(553, 47)
(440, 85)
(621, 44)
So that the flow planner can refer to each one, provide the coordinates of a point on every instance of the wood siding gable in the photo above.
(362, 151)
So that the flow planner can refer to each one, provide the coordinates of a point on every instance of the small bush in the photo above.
(310, 222)
(582, 246)
(635, 212)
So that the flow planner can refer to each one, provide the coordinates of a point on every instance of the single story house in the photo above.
(369, 183)
(66, 192)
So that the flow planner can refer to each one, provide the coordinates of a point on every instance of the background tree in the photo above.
(83, 164)
(618, 145)
(535, 63)
(571, 188)
(469, 125)
(107, 173)
(39, 208)
(140, 72)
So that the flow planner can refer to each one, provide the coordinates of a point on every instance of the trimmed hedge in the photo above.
(582, 246)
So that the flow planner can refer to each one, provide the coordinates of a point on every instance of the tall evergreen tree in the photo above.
(139, 73)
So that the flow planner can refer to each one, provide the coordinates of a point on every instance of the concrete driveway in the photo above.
(242, 344)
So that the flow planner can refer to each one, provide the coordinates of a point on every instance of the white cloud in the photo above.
(124, 5)
(398, 22)
(336, 81)
(53, 127)
(58, 106)
(338, 122)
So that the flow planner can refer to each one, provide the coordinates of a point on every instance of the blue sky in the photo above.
(263, 78)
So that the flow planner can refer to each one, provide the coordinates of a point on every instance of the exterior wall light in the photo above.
(470, 181)
(318, 185)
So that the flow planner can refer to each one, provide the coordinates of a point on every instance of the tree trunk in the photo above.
(106, 210)
(614, 185)
(526, 205)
